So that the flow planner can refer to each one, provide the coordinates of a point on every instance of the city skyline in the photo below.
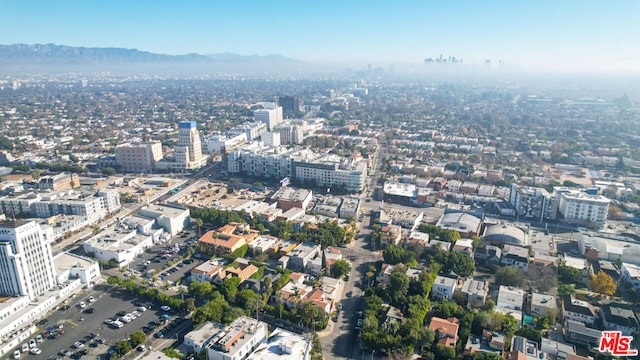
(545, 35)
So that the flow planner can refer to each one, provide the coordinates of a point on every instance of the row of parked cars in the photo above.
(123, 317)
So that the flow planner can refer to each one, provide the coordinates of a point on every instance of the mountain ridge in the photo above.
(45, 54)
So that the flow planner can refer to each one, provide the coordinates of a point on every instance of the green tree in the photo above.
(230, 288)
(173, 353)
(568, 275)
(530, 333)
(443, 352)
(509, 276)
(123, 347)
(109, 171)
(566, 289)
(340, 268)
(190, 304)
(446, 309)
(398, 285)
(137, 338)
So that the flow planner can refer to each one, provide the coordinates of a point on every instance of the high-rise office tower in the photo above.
(26, 261)
(189, 149)
(290, 104)
(271, 117)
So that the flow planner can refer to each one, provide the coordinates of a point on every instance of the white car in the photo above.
(35, 351)
(108, 321)
(78, 345)
(135, 313)
(142, 309)
(82, 304)
(16, 354)
(125, 319)
(118, 324)
(165, 308)
(32, 343)
(91, 299)
(39, 339)
(25, 347)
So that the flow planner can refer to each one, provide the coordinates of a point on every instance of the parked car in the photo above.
(91, 299)
(77, 345)
(82, 305)
(165, 308)
(35, 351)
(89, 310)
(16, 354)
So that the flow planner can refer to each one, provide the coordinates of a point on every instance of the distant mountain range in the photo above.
(52, 54)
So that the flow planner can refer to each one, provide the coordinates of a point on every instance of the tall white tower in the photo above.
(189, 149)
(26, 261)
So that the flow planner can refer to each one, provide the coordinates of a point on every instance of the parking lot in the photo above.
(86, 325)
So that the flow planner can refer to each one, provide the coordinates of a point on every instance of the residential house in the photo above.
(580, 264)
(206, 271)
(543, 304)
(446, 330)
(489, 254)
(576, 332)
(515, 256)
(475, 291)
(464, 246)
(443, 288)
(243, 270)
(577, 310)
(510, 298)
(608, 267)
(621, 317)
(438, 245)
(228, 238)
(383, 276)
(394, 315)
(391, 235)
(524, 349)
(302, 254)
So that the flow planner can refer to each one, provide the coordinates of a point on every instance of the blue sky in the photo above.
(533, 34)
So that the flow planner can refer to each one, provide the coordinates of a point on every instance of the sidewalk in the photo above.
(327, 331)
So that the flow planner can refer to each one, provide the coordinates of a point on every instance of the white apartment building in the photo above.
(291, 134)
(26, 261)
(138, 157)
(252, 130)
(581, 208)
(331, 170)
(94, 206)
(236, 341)
(270, 117)
(531, 202)
(302, 165)
(221, 144)
(443, 288)
(271, 139)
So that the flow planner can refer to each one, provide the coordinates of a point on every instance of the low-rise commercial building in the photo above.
(237, 340)
(172, 219)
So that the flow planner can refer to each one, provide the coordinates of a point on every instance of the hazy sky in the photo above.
(557, 34)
